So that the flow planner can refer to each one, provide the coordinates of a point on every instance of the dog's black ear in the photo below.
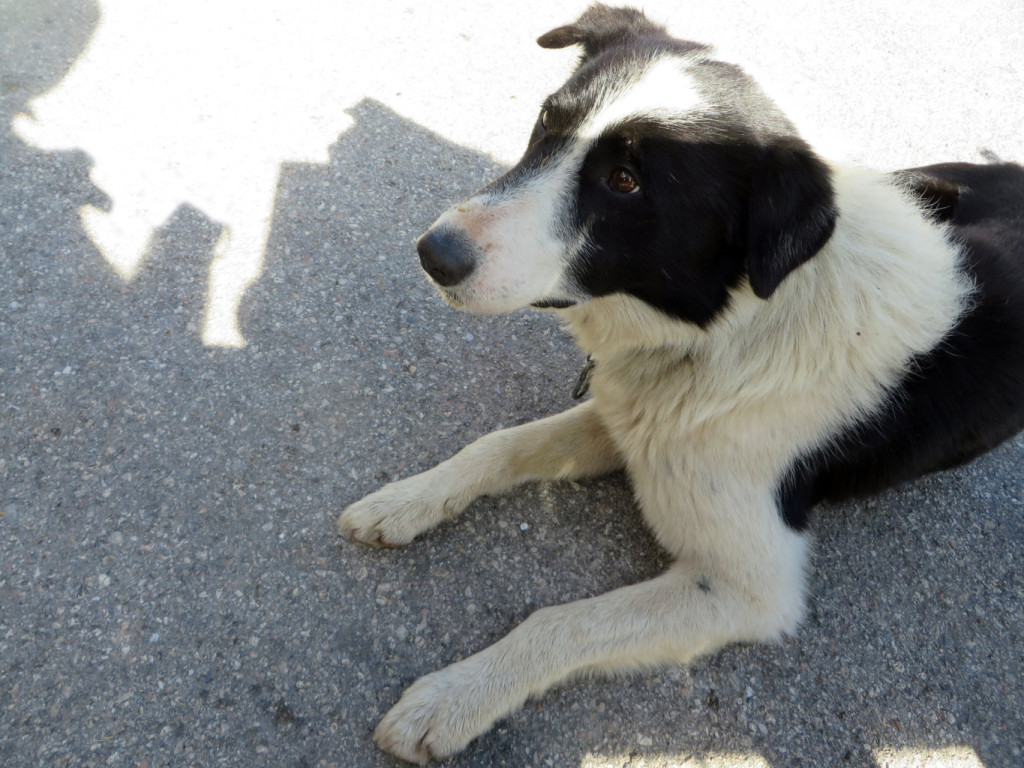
(599, 27)
(791, 215)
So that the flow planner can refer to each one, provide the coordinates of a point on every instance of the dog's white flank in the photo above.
(712, 401)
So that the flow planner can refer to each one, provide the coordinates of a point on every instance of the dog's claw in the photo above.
(375, 539)
(380, 541)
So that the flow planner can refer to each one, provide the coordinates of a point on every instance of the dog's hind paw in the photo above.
(397, 513)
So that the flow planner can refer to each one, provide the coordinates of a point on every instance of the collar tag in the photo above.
(583, 382)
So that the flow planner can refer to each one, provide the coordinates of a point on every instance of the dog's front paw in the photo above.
(397, 513)
(441, 713)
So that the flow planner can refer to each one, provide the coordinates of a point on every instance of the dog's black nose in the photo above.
(446, 256)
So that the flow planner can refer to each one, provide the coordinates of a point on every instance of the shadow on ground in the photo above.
(172, 590)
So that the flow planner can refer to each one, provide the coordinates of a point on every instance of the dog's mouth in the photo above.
(553, 304)
(450, 297)
(454, 300)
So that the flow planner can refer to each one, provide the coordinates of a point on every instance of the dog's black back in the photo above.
(967, 395)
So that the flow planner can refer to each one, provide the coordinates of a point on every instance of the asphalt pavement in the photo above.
(214, 336)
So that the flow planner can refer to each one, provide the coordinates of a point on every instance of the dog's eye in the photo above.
(623, 182)
(544, 119)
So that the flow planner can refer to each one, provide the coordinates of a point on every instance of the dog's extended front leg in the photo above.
(569, 445)
(689, 610)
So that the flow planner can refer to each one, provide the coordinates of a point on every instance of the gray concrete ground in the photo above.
(171, 589)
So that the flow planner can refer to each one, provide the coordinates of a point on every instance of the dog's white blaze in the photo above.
(664, 90)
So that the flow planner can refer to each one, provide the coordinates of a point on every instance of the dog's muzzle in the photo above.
(448, 256)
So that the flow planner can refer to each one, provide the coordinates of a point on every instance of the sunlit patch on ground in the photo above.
(947, 757)
(720, 760)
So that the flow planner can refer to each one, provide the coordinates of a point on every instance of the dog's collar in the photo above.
(583, 382)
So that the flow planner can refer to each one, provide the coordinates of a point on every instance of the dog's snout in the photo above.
(447, 256)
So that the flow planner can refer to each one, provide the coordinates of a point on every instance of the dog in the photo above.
(767, 331)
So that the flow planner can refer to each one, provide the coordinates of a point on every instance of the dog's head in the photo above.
(655, 171)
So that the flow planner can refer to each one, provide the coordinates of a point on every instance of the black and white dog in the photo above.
(769, 331)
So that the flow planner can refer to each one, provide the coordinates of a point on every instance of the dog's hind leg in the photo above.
(691, 609)
(570, 445)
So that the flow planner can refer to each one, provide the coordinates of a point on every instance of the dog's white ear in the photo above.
(791, 214)
(599, 27)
